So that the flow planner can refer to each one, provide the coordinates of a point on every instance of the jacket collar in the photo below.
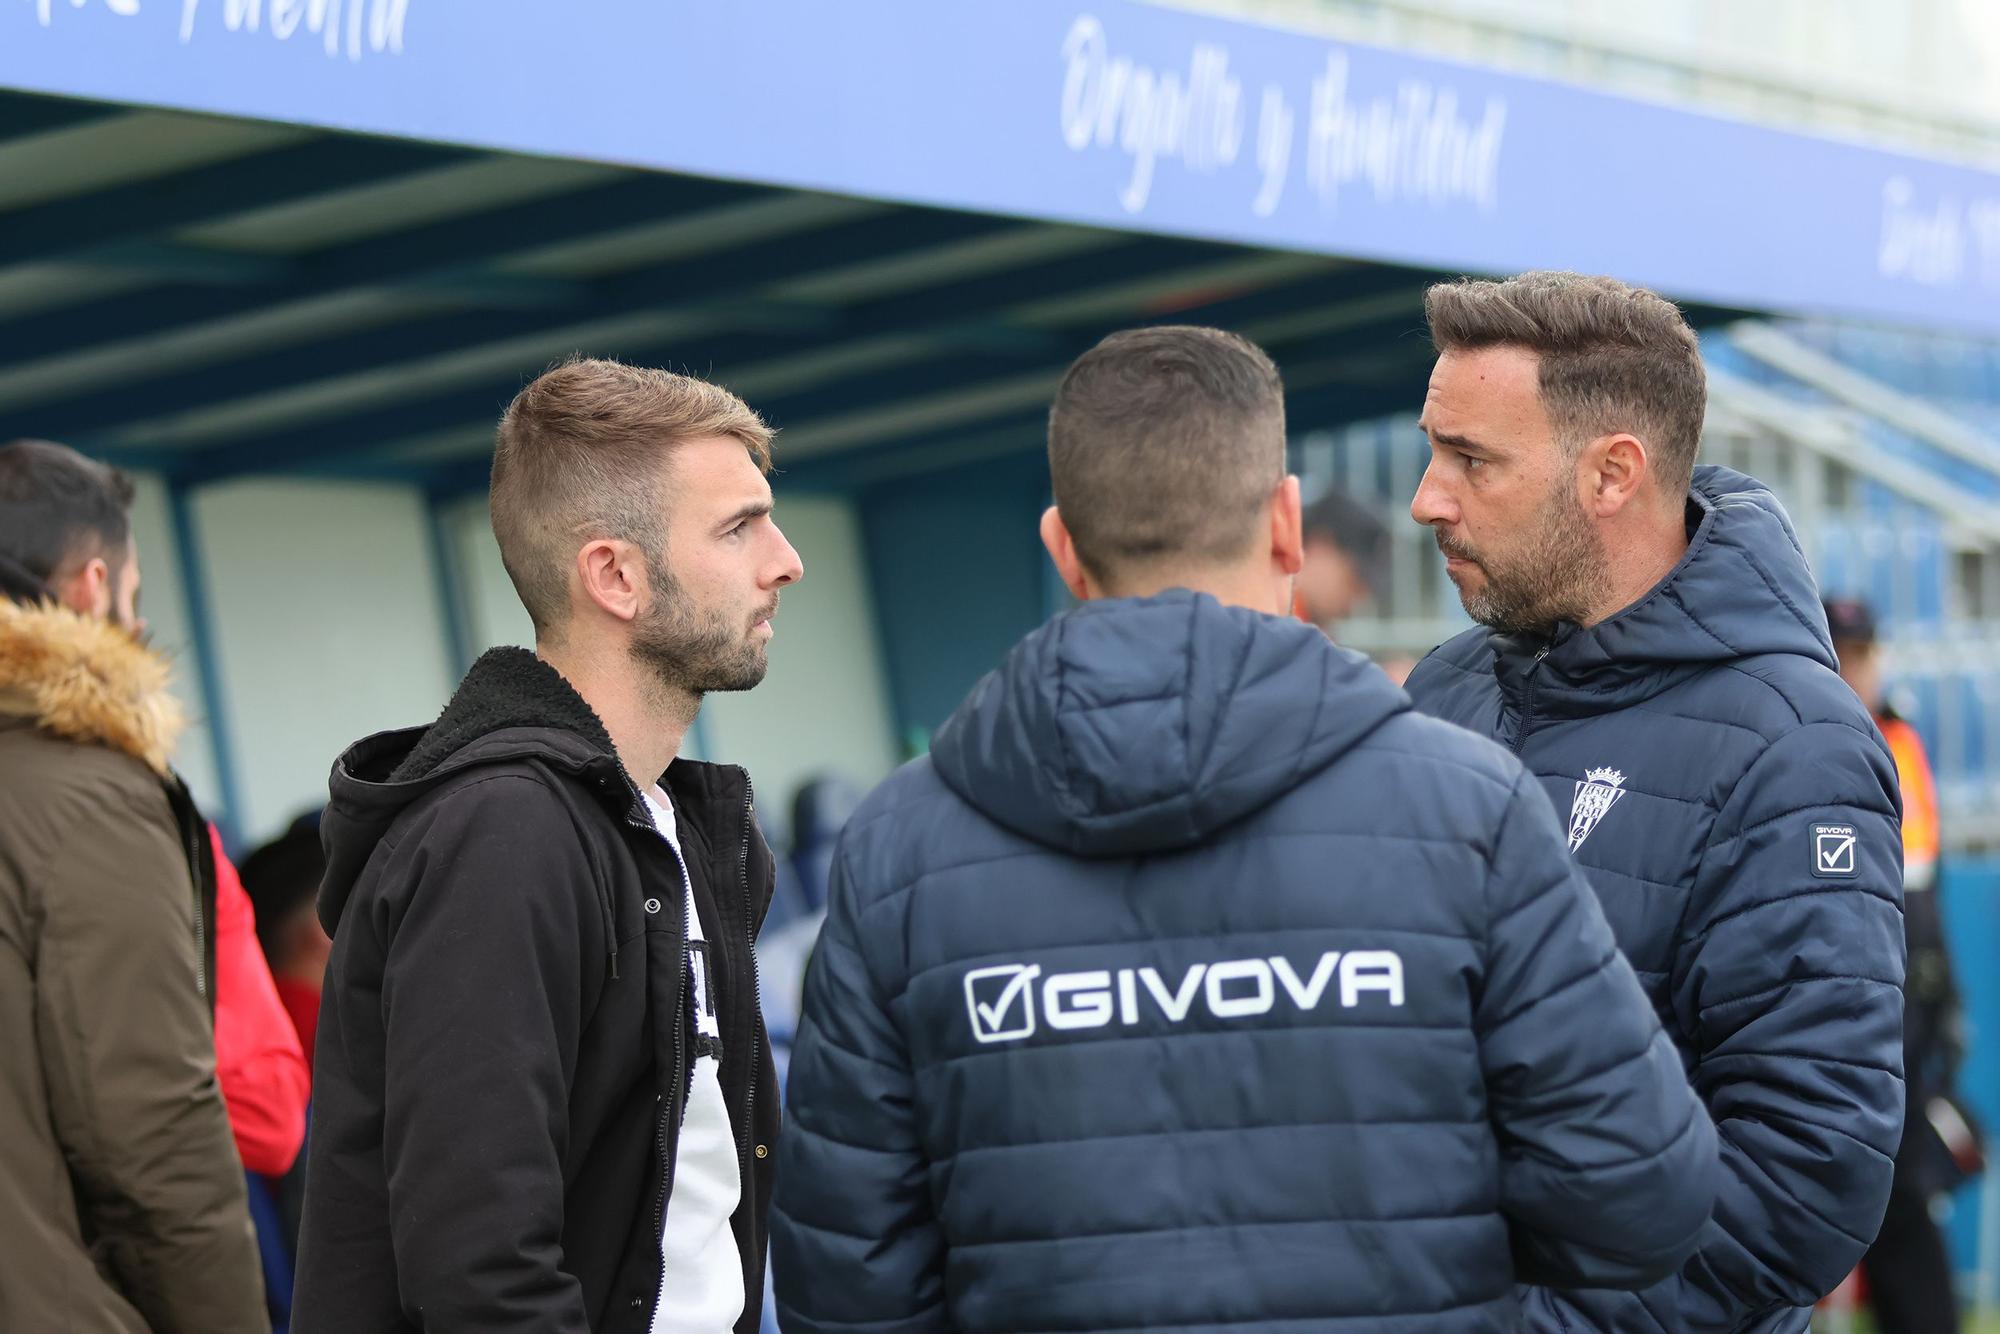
(1742, 589)
(85, 679)
(507, 689)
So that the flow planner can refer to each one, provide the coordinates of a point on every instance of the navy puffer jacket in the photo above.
(1195, 981)
(1736, 811)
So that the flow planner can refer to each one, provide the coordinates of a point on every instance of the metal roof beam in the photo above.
(23, 114)
(993, 427)
(723, 286)
(950, 365)
(175, 262)
(447, 246)
(953, 364)
(152, 208)
(827, 423)
(1012, 432)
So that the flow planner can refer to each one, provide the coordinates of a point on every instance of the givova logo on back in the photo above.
(1001, 999)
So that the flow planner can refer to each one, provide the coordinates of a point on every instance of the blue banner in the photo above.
(1110, 112)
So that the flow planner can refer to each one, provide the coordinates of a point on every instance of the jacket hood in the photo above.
(1742, 590)
(511, 706)
(1142, 725)
(85, 679)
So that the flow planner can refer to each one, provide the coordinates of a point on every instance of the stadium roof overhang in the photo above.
(330, 237)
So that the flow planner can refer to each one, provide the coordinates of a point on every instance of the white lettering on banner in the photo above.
(1275, 124)
(45, 10)
(1938, 242)
(379, 22)
(1150, 114)
(1924, 243)
(1413, 147)
(357, 27)
(1416, 147)
(1001, 999)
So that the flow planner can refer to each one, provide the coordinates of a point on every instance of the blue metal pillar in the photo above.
(448, 575)
(202, 630)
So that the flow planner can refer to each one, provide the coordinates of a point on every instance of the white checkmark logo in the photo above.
(1836, 853)
(988, 1017)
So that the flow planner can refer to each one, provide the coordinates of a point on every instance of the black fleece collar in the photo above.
(507, 687)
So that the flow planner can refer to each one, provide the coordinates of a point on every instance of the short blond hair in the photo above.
(581, 454)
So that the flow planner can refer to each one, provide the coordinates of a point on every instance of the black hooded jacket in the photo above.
(505, 1045)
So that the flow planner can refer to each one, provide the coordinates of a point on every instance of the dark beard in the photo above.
(693, 649)
(1561, 578)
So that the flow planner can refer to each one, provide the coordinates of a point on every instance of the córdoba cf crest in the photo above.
(1595, 796)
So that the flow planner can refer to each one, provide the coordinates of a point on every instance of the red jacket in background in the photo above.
(265, 1083)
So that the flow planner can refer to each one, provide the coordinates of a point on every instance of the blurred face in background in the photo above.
(1329, 584)
(1502, 495)
(1861, 668)
(106, 587)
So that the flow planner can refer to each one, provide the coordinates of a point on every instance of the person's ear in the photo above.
(88, 591)
(1611, 472)
(1062, 550)
(1288, 541)
(614, 578)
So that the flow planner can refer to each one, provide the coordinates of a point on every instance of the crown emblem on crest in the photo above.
(1599, 791)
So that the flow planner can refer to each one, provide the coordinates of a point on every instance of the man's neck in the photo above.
(646, 721)
(1637, 558)
(1255, 590)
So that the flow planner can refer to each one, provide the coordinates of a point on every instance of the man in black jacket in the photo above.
(543, 1096)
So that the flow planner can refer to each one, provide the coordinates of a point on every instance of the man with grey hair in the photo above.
(1652, 647)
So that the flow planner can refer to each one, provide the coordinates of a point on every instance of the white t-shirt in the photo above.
(701, 1289)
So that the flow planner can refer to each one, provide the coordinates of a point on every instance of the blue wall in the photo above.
(957, 569)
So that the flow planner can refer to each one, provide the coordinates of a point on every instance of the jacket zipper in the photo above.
(680, 1022)
(666, 1167)
(756, 986)
(197, 833)
(1528, 700)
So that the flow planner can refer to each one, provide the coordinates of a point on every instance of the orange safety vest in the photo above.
(1920, 808)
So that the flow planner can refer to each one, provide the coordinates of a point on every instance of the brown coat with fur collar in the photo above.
(121, 1195)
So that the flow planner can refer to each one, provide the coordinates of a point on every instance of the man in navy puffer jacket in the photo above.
(1659, 659)
(1194, 981)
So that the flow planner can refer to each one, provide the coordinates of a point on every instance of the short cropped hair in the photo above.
(58, 509)
(1164, 445)
(582, 453)
(1613, 357)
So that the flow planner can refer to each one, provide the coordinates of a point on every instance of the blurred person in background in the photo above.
(1908, 1269)
(543, 1094)
(821, 808)
(283, 879)
(1651, 645)
(259, 1060)
(1346, 566)
(1346, 560)
(1140, 1006)
(122, 1202)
